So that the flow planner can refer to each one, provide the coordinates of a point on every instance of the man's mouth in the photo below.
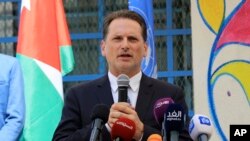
(125, 55)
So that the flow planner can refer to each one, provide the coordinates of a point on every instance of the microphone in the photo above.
(154, 137)
(200, 128)
(99, 117)
(174, 119)
(123, 83)
(160, 107)
(123, 130)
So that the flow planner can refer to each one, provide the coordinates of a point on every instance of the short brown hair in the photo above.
(128, 14)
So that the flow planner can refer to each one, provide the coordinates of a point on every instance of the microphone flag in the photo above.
(200, 127)
(123, 129)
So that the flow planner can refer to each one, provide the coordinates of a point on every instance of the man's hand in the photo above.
(123, 109)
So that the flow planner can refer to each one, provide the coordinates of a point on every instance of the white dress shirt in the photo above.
(134, 83)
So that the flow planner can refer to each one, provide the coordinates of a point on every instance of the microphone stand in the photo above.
(99, 138)
(97, 135)
(174, 135)
(203, 137)
(163, 130)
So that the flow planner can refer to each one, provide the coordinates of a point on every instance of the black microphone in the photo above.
(99, 117)
(174, 119)
(123, 83)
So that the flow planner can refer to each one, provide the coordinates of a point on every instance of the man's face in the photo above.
(124, 47)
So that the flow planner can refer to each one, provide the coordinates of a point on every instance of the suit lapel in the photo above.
(145, 95)
(104, 91)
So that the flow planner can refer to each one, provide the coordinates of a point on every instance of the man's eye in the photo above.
(117, 38)
(133, 39)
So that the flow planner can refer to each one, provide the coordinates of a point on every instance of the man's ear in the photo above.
(103, 48)
(146, 50)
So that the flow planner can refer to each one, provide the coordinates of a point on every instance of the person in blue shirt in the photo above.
(12, 103)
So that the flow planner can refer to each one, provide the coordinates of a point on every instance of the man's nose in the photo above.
(125, 44)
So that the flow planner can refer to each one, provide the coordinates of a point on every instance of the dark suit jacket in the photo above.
(75, 124)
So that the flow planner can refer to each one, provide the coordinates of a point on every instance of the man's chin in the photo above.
(125, 68)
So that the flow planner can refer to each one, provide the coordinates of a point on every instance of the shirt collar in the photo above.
(113, 81)
(134, 82)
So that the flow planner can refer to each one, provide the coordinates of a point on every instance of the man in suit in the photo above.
(12, 104)
(124, 46)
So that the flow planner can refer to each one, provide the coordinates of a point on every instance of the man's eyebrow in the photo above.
(132, 37)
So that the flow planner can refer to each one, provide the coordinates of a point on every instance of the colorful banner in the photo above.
(221, 62)
(45, 52)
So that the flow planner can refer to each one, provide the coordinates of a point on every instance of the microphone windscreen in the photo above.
(160, 108)
(100, 111)
(154, 137)
(200, 124)
(174, 118)
(123, 80)
(124, 129)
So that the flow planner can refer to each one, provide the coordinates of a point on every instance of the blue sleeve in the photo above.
(13, 116)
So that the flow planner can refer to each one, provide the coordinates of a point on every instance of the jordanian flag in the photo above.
(45, 52)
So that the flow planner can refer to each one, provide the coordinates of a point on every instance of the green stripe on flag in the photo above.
(43, 103)
(67, 59)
